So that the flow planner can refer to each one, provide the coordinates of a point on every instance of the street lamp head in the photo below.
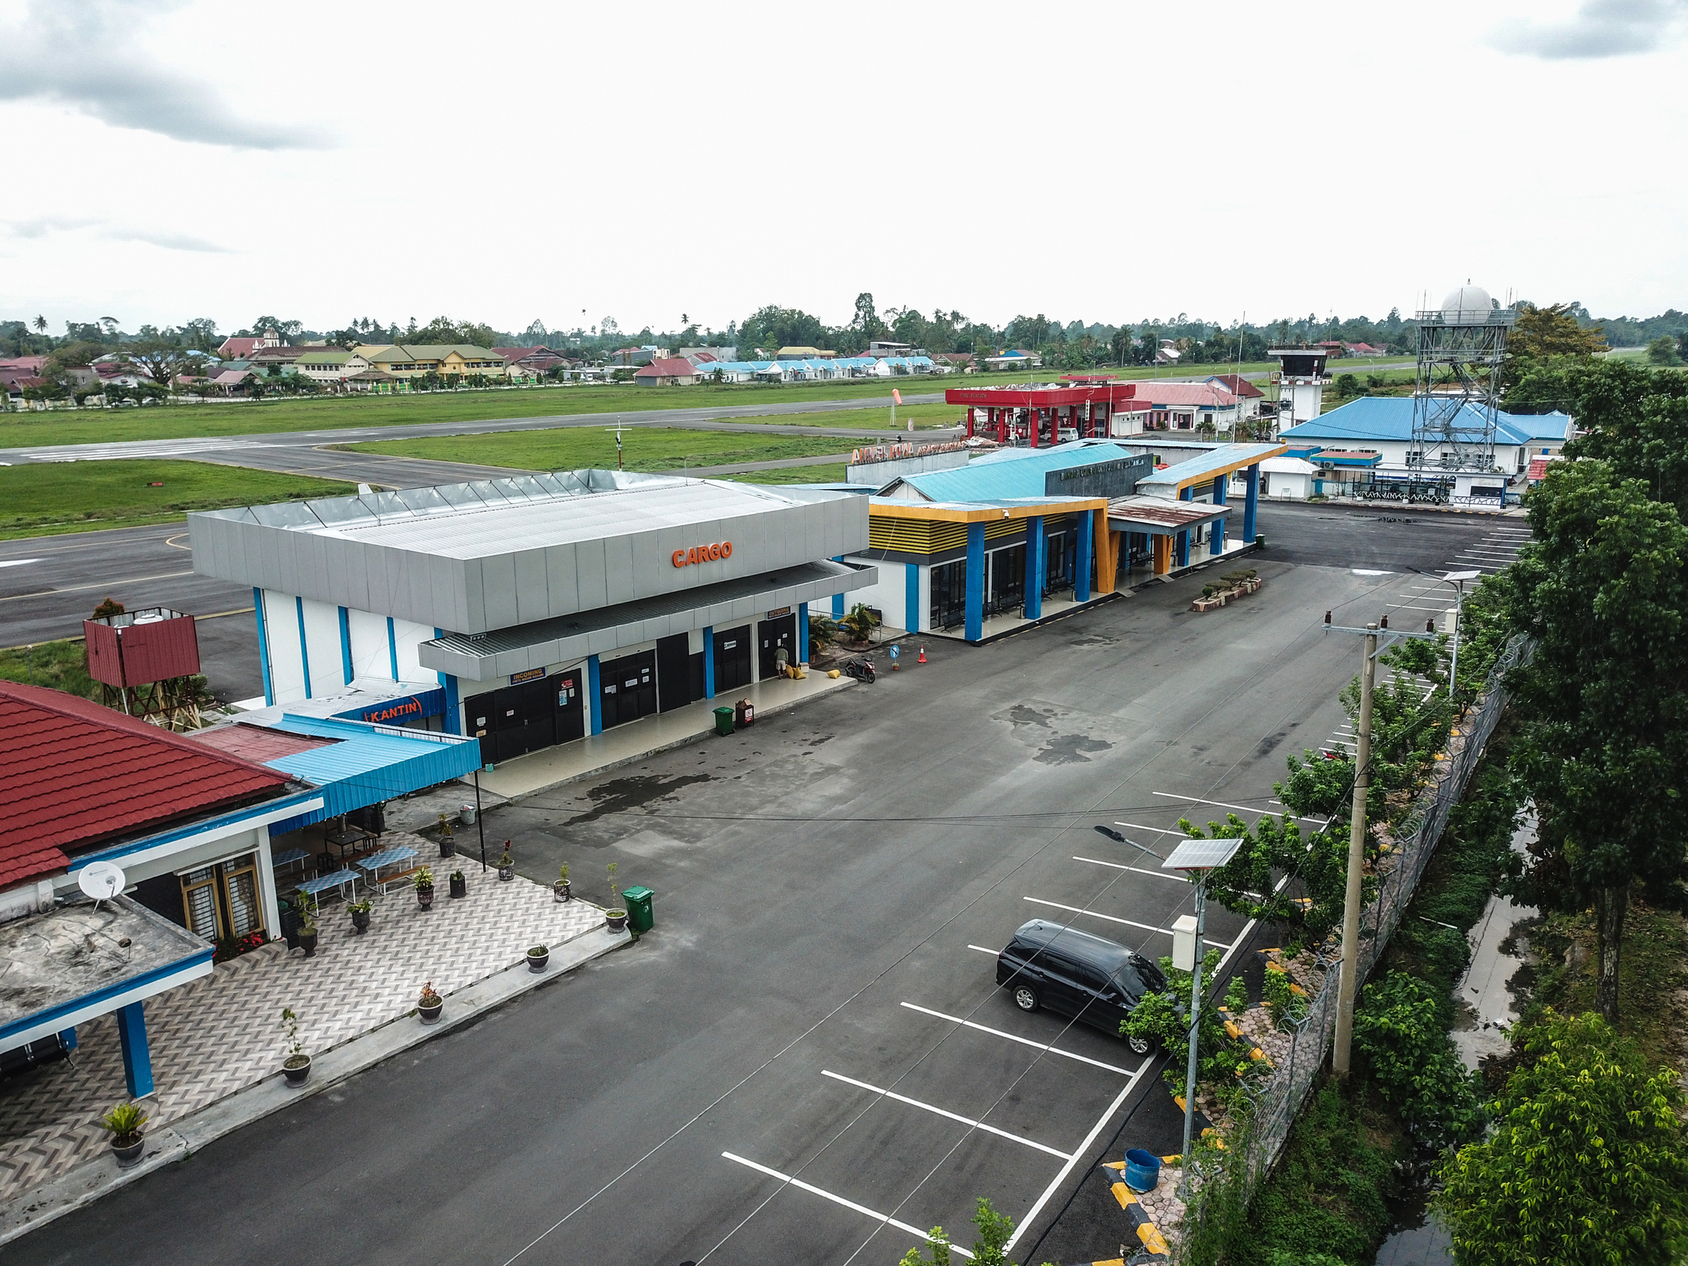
(1200, 855)
(1112, 834)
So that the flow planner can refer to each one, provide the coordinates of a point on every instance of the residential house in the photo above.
(330, 367)
(667, 371)
(696, 354)
(632, 356)
(802, 353)
(1014, 359)
(448, 361)
(1249, 397)
(1168, 353)
(274, 360)
(530, 363)
(1176, 406)
(241, 347)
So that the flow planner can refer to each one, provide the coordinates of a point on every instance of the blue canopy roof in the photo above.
(1219, 461)
(1009, 474)
(1391, 418)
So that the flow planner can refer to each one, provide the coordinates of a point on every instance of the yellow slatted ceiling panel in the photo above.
(1004, 527)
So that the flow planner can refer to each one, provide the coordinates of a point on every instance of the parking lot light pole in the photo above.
(1196, 858)
(1457, 579)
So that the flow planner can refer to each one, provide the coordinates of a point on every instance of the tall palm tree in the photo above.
(40, 325)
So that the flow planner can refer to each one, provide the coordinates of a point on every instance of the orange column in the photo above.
(1163, 554)
(1107, 551)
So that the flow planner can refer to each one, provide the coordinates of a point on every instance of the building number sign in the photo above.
(703, 553)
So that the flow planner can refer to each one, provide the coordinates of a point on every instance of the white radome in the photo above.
(1467, 304)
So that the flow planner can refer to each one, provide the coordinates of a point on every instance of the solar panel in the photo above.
(1201, 854)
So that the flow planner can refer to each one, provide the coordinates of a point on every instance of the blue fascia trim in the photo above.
(304, 651)
(346, 645)
(97, 996)
(592, 692)
(392, 648)
(263, 647)
(708, 664)
(201, 827)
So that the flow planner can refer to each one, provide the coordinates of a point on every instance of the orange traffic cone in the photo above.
(922, 654)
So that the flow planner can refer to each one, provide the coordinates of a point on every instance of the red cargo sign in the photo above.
(703, 553)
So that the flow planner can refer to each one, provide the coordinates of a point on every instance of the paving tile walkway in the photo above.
(223, 1033)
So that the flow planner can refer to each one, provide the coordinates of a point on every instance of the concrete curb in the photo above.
(96, 1178)
(1154, 1246)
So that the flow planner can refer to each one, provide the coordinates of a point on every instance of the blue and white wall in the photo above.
(313, 649)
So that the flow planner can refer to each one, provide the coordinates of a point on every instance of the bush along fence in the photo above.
(1266, 1060)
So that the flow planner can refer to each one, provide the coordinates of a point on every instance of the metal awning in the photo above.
(1159, 517)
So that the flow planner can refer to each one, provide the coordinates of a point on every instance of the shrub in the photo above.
(1398, 1028)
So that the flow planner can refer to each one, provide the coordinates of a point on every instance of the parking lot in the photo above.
(808, 1059)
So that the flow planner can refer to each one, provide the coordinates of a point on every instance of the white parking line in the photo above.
(1083, 1150)
(848, 1204)
(1026, 1041)
(983, 950)
(953, 1116)
(1095, 914)
(1240, 808)
(1161, 829)
(1158, 874)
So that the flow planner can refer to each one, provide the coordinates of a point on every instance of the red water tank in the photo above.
(137, 647)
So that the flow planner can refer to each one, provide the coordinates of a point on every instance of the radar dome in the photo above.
(1466, 305)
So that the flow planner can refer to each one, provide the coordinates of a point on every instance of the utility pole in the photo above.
(1356, 856)
(1340, 1052)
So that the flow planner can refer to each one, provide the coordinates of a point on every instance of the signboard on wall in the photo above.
(530, 674)
(406, 708)
(777, 612)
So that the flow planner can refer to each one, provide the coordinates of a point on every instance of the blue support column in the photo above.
(137, 1060)
(837, 598)
(392, 648)
(911, 597)
(708, 665)
(975, 609)
(1034, 567)
(304, 650)
(1217, 545)
(68, 1037)
(594, 694)
(1182, 558)
(1251, 503)
(346, 645)
(1082, 566)
(263, 647)
(802, 632)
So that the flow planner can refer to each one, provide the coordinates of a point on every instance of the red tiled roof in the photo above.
(668, 367)
(255, 743)
(1238, 385)
(74, 774)
(1183, 393)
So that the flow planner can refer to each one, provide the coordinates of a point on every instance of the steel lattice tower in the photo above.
(1456, 400)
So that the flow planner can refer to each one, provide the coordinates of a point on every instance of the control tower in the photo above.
(1301, 382)
(1456, 400)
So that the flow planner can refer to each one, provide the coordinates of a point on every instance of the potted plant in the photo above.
(360, 915)
(297, 1066)
(615, 917)
(560, 891)
(125, 1122)
(459, 885)
(308, 931)
(538, 956)
(428, 1006)
(506, 863)
(425, 888)
(447, 845)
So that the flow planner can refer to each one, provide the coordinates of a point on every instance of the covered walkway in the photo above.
(1206, 478)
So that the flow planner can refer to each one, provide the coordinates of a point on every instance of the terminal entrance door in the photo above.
(571, 700)
(627, 688)
(1006, 590)
(949, 595)
(773, 634)
(732, 658)
(514, 720)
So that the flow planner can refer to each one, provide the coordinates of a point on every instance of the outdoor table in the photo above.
(290, 856)
(351, 837)
(393, 856)
(339, 879)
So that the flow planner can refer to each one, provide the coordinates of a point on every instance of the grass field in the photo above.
(59, 665)
(924, 417)
(21, 430)
(829, 473)
(45, 500)
(643, 448)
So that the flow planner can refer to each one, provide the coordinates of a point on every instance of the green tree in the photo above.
(1398, 1027)
(1603, 741)
(990, 1249)
(1120, 345)
(1589, 1163)
(1662, 351)
(160, 358)
(1637, 419)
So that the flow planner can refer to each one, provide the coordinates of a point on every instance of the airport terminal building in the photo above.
(534, 610)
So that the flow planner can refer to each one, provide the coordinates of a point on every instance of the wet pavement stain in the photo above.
(1069, 749)
(623, 795)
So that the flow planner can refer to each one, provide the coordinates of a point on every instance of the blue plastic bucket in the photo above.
(1142, 1170)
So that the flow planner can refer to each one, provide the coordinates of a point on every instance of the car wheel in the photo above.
(1025, 997)
(1139, 1045)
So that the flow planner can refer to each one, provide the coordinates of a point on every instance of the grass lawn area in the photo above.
(924, 416)
(57, 665)
(45, 500)
(830, 473)
(643, 448)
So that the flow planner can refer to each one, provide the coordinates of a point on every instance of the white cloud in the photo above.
(1599, 28)
(88, 55)
(48, 226)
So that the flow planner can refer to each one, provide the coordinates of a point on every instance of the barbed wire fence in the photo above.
(1279, 1101)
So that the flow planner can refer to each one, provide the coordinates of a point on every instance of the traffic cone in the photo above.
(922, 654)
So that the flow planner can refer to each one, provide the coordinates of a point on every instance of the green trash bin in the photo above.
(723, 721)
(638, 901)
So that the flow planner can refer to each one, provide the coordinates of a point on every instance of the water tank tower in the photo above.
(1456, 400)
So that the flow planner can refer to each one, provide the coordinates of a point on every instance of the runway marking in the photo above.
(104, 584)
(813, 1190)
(1025, 1041)
(1158, 874)
(1366, 571)
(18, 562)
(944, 1112)
(1223, 805)
(171, 541)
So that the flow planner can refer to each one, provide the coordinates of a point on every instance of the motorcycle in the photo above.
(861, 669)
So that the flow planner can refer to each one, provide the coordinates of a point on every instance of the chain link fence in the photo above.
(1280, 1099)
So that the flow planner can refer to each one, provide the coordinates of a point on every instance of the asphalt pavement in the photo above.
(808, 1060)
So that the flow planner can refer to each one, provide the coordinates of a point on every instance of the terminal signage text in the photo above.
(710, 553)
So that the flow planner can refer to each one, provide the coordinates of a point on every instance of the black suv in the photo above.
(1077, 974)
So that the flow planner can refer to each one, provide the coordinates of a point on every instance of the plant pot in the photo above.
(506, 872)
(425, 897)
(128, 1154)
(307, 942)
(536, 962)
(562, 892)
(360, 921)
(430, 1015)
(460, 886)
(448, 847)
(297, 1074)
(615, 920)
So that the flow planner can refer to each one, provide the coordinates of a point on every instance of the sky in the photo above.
(1112, 162)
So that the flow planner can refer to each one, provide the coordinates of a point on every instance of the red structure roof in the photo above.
(255, 743)
(1238, 386)
(74, 774)
(668, 367)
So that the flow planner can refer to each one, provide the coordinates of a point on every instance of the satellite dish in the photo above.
(101, 880)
